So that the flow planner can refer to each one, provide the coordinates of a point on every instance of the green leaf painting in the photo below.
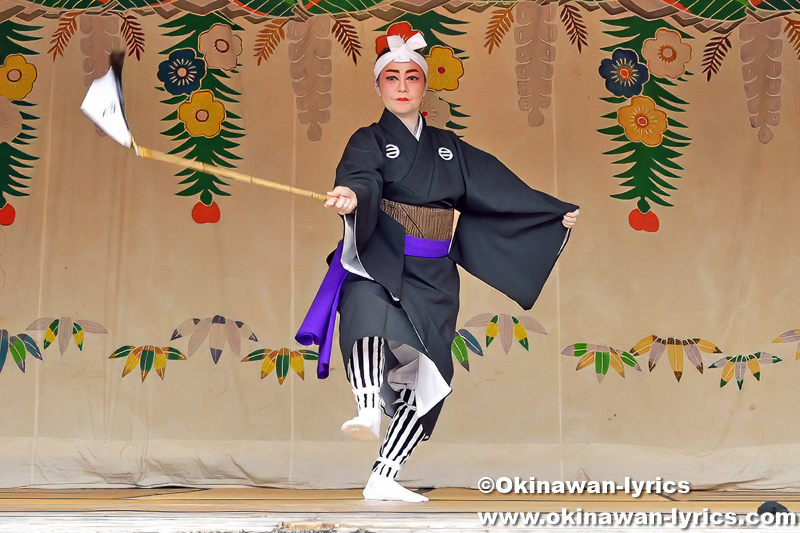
(147, 358)
(602, 358)
(3, 347)
(735, 367)
(508, 328)
(730, 11)
(16, 110)
(60, 329)
(642, 81)
(435, 26)
(197, 80)
(459, 350)
(470, 341)
(18, 347)
(281, 360)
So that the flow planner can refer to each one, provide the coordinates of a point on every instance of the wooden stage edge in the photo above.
(268, 510)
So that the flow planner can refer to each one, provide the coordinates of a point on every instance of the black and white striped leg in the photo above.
(365, 372)
(403, 435)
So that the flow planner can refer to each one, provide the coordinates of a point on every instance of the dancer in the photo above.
(396, 291)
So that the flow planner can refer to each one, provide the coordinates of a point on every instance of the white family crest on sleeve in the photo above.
(445, 153)
(103, 105)
(392, 151)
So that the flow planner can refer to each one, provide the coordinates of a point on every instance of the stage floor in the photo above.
(256, 510)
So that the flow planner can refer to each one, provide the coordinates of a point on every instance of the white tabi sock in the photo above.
(366, 426)
(383, 488)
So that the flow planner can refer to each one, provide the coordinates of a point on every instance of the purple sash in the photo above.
(419, 247)
(317, 327)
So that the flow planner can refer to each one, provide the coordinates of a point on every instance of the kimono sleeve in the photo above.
(360, 169)
(377, 238)
(508, 234)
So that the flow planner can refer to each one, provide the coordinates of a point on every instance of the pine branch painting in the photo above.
(268, 39)
(347, 36)
(500, 23)
(134, 36)
(715, 51)
(573, 23)
(792, 31)
(67, 24)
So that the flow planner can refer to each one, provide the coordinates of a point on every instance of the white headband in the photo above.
(402, 52)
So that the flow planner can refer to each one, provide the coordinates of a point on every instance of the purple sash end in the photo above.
(317, 327)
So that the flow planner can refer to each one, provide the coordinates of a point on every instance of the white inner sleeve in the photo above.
(350, 260)
(569, 230)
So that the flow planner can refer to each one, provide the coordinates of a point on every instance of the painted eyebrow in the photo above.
(410, 71)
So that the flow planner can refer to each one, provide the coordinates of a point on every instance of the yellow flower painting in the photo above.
(202, 115)
(642, 121)
(16, 77)
(444, 69)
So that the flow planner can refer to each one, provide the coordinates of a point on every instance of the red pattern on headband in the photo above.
(403, 29)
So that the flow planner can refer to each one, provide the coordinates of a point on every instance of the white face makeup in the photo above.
(402, 86)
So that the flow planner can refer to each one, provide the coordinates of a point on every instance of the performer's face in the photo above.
(401, 87)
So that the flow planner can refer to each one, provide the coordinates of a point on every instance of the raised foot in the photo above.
(366, 426)
(383, 488)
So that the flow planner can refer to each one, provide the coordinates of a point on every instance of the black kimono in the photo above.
(507, 235)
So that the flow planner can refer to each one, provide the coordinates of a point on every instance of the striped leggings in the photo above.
(365, 373)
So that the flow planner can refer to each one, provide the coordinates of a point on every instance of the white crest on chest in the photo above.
(392, 151)
(445, 153)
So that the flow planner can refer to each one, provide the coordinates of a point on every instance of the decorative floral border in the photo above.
(195, 76)
(17, 132)
(641, 75)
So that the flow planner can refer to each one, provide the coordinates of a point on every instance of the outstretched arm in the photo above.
(342, 200)
(508, 235)
(569, 219)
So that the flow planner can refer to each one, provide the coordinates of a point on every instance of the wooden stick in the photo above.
(147, 153)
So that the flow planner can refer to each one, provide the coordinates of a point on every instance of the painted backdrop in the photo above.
(147, 311)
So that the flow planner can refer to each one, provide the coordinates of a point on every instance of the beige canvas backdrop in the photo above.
(103, 237)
